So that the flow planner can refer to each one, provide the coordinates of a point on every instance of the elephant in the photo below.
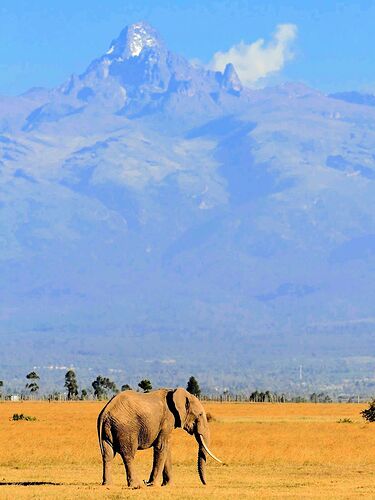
(133, 421)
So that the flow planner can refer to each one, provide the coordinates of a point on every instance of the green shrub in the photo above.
(345, 421)
(21, 416)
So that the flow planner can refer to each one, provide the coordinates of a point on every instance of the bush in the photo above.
(369, 413)
(345, 421)
(21, 416)
(210, 417)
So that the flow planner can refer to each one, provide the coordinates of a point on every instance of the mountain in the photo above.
(160, 219)
(355, 98)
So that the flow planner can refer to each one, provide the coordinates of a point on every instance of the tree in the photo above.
(369, 413)
(54, 396)
(1, 386)
(33, 385)
(145, 385)
(126, 387)
(102, 385)
(268, 397)
(84, 394)
(261, 397)
(71, 384)
(254, 396)
(193, 387)
(320, 398)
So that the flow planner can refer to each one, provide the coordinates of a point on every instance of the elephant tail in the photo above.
(101, 419)
(100, 432)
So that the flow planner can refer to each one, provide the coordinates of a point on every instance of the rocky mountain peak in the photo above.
(138, 66)
(132, 40)
(231, 80)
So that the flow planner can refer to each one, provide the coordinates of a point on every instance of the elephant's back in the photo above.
(134, 399)
(123, 404)
(135, 414)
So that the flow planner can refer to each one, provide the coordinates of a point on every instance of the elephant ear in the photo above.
(180, 406)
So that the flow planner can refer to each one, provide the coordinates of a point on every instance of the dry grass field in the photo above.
(271, 451)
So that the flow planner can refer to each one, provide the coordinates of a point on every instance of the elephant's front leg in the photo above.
(167, 472)
(161, 447)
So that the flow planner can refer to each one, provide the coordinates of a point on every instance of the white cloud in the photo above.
(258, 59)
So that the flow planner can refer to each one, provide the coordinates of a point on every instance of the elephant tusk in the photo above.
(208, 451)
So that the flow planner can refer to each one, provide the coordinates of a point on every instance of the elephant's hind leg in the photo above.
(127, 452)
(108, 456)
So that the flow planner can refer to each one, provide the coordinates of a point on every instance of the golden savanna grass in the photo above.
(271, 451)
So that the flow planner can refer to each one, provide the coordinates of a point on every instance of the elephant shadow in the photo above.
(30, 483)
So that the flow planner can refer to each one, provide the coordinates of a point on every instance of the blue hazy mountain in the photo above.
(162, 219)
(355, 97)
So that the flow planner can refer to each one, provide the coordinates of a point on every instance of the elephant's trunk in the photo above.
(202, 435)
(201, 459)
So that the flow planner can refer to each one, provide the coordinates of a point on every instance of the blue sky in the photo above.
(43, 41)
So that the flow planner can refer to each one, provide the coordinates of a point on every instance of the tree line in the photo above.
(104, 388)
(270, 397)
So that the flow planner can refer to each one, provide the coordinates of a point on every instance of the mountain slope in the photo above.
(152, 211)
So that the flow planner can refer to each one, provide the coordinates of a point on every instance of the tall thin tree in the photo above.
(193, 387)
(71, 384)
(33, 385)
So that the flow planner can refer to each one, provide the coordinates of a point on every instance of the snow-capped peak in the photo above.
(139, 37)
(132, 40)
